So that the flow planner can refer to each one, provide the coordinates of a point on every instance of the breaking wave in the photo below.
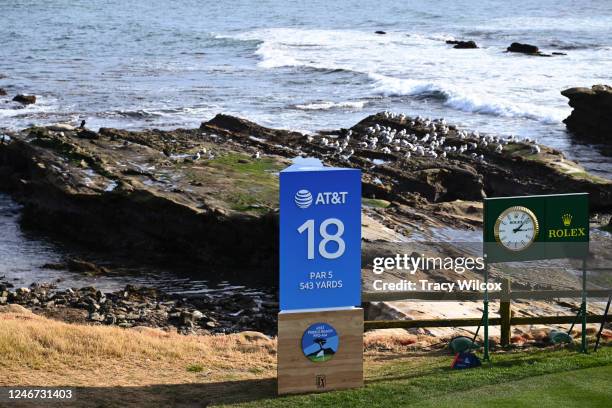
(466, 100)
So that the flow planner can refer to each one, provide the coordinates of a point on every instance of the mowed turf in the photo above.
(589, 387)
(540, 378)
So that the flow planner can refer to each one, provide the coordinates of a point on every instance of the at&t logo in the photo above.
(303, 199)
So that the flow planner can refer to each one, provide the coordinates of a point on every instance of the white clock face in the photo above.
(516, 228)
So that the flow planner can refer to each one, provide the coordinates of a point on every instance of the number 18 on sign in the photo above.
(320, 238)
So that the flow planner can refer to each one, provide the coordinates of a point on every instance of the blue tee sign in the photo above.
(320, 237)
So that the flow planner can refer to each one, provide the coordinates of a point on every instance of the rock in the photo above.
(88, 134)
(55, 266)
(591, 118)
(2, 92)
(523, 48)
(462, 44)
(380, 32)
(25, 99)
(197, 315)
(96, 317)
(559, 53)
(78, 265)
(254, 336)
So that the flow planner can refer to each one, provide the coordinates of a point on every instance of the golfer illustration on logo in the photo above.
(320, 342)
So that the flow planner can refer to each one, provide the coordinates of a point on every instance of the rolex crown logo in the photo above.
(567, 219)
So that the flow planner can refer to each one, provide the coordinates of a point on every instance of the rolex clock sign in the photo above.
(536, 227)
(320, 323)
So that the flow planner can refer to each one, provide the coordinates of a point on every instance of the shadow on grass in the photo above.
(165, 395)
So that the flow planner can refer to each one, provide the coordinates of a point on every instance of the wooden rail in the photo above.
(519, 294)
(467, 322)
(505, 296)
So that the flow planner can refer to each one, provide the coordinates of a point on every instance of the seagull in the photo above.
(197, 156)
(256, 155)
(82, 124)
(535, 149)
(499, 148)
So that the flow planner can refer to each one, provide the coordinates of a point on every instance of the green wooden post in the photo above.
(505, 312)
(485, 314)
(583, 308)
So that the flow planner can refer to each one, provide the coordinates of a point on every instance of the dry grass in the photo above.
(38, 351)
(142, 367)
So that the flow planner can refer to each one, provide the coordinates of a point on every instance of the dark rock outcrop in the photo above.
(523, 48)
(591, 118)
(88, 134)
(25, 99)
(462, 44)
(2, 92)
(198, 198)
(380, 32)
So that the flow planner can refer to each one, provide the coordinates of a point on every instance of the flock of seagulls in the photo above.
(432, 144)
(203, 153)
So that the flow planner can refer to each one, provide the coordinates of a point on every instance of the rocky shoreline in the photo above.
(209, 196)
(149, 307)
(591, 118)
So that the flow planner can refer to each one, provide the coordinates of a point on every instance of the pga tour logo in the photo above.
(303, 198)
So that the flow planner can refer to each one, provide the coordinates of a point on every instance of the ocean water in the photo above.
(305, 66)
(23, 255)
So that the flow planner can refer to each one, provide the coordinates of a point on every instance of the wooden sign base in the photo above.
(297, 373)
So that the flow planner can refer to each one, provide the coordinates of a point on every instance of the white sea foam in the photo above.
(470, 81)
(328, 105)
(15, 109)
(466, 100)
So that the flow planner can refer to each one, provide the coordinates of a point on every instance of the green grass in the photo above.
(243, 164)
(514, 148)
(580, 388)
(254, 180)
(540, 378)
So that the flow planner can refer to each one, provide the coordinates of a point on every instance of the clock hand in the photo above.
(519, 228)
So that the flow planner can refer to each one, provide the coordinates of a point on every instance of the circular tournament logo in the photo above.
(320, 342)
(303, 198)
